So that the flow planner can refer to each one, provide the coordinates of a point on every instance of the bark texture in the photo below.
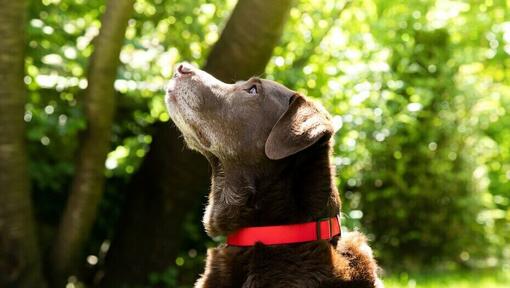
(172, 181)
(87, 188)
(247, 41)
(20, 264)
(169, 185)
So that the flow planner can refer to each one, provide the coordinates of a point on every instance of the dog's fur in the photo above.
(269, 149)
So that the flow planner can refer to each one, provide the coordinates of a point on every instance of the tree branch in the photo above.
(87, 187)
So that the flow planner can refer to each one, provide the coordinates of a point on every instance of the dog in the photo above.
(272, 190)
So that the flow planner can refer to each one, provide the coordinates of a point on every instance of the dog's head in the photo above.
(248, 121)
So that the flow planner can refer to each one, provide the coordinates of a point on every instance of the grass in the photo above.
(467, 279)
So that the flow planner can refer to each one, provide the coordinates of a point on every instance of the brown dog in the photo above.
(269, 149)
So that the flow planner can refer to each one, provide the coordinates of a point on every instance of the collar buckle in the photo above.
(318, 228)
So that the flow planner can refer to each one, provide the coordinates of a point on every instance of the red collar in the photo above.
(323, 229)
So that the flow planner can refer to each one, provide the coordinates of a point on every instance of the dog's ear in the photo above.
(302, 125)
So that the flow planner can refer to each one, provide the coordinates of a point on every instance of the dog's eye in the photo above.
(252, 90)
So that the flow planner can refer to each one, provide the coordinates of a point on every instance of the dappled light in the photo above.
(418, 91)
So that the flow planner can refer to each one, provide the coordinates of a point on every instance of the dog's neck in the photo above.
(297, 189)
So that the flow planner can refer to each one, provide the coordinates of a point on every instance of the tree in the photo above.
(99, 105)
(170, 184)
(248, 39)
(20, 264)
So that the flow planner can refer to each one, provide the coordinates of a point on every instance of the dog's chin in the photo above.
(194, 139)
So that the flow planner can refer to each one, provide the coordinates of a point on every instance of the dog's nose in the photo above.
(183, 69)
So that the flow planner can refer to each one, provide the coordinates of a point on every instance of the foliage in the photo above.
(167, 278)
(463, 279)
(412, 148)
(419, 90)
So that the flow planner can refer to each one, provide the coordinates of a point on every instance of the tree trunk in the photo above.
(87, 187)
(172, 182)
(248, 40)
(20, 264)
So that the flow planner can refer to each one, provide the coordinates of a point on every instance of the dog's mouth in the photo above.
(182, 104)
(178, 92)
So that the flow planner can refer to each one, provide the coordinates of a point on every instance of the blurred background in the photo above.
(97, 189)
